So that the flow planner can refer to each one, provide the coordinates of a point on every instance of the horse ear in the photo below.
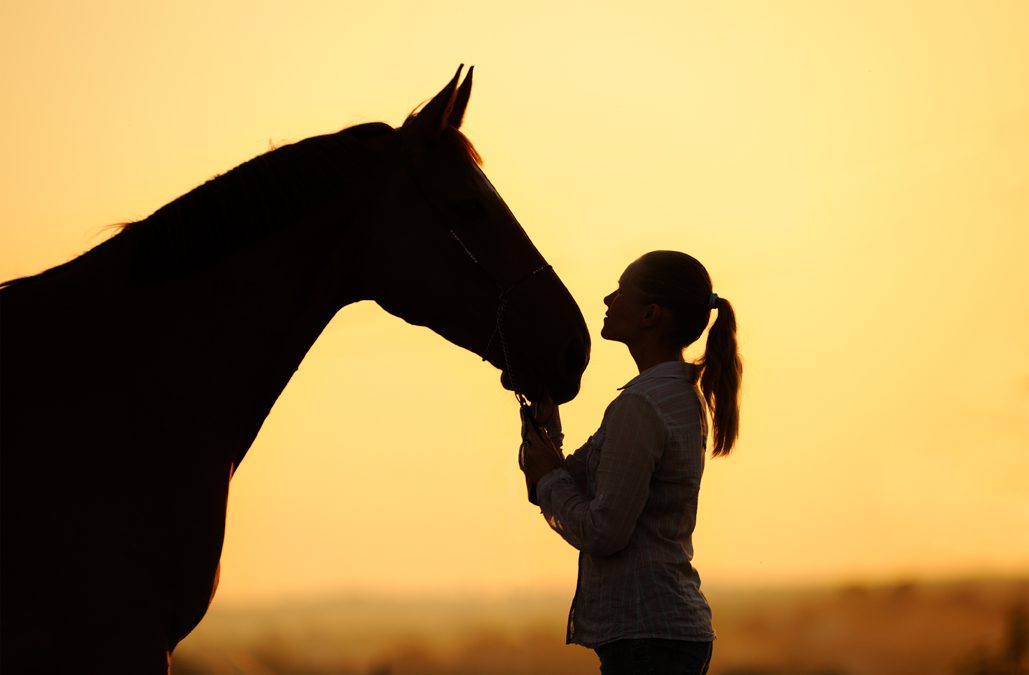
(461, 100)
(435, 116)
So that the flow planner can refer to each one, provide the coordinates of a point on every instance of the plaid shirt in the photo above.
(627, 500)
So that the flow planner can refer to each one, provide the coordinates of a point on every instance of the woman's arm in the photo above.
(633, 442)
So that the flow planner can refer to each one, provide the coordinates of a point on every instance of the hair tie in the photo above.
(712, 302)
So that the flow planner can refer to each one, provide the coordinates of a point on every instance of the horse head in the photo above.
(444, 251)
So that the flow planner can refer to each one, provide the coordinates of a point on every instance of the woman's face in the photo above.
(626, 307)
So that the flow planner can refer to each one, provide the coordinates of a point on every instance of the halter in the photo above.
(502, 299)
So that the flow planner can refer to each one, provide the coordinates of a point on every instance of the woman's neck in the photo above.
(647, 355)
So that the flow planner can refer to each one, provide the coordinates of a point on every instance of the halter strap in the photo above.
(502, 300)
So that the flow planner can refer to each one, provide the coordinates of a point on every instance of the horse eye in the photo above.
(469, 208)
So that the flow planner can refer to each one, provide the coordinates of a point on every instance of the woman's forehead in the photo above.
(631, 273)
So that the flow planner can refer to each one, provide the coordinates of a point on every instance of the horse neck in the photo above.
(212, 347)
(249, 321)
(261, 310)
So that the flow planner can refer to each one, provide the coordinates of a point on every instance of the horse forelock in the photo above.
(456, 140)
(461, 142)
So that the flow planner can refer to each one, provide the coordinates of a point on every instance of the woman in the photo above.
(627, 499)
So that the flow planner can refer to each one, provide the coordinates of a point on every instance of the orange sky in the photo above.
(854, 175)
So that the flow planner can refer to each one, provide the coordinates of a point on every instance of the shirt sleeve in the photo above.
(575, 465)
(634, 440)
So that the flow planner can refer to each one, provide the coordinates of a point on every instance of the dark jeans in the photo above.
(652, 656)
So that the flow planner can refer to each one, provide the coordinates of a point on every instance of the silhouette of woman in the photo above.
(627, 499)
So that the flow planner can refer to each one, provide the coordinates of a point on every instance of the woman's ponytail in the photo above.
(721, 373)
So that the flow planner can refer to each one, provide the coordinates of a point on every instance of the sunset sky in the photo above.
(855, 176)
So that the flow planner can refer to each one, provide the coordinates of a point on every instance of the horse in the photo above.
(136, 376)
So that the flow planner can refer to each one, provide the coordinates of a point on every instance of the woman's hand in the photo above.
(537, 456)
(543, 414)
(543, 410)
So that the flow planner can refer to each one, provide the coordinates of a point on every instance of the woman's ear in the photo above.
(652, 315)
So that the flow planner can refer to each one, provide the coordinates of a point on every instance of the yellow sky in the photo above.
(854, 175)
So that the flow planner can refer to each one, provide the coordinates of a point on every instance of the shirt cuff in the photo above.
(556, 474)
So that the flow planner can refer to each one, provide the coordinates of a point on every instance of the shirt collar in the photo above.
(663, 371)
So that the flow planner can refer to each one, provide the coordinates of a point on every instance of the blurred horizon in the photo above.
(559, 592)
(957, 627)
(855, 177)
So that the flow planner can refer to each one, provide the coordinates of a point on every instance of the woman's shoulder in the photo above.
(673, 386)
(634, 406)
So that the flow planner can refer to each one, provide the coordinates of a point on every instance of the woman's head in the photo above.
(680, 284)
(681, 287)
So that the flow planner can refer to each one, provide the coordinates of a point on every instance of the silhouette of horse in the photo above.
(135, 377)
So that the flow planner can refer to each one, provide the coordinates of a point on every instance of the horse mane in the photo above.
(248, 203)
(239, 207)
